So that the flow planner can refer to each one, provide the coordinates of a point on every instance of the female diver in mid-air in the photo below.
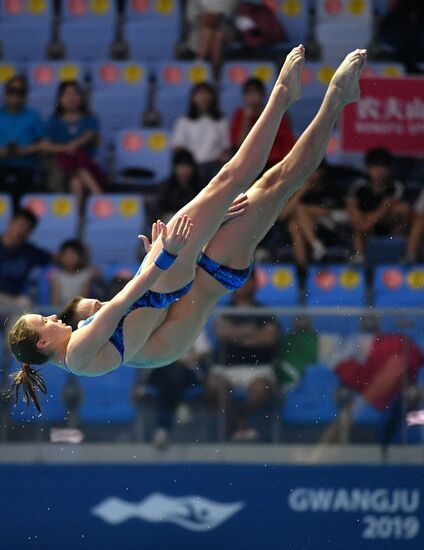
(155, 337)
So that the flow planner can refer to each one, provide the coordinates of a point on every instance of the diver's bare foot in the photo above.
(289, 77)
(345, 81)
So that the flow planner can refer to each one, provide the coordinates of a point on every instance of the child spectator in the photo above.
(204, 131)
(72, 136)
(21, 133)
(374, 204)
(182, 186)
(74, 276)
(245, 117)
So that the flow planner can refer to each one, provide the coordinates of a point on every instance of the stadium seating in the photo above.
(58, 219)
(383, 250)
(88, 28)
(235, 74)
(7, 70)
(335, 286)
(312, 401)
(342, 26)
(174, 82)
(294, 17)
(25, 28)
(152, 29)
(119, 95)
(143, 150)
(44, 78)
(52, 406)
(112, 225)
(107, 398)
(5, 211)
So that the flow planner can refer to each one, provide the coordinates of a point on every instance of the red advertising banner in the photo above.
(389, 114)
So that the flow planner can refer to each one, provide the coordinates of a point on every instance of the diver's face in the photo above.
(86, 308)
(51, 330)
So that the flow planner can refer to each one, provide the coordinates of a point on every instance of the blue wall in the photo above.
(124, 507)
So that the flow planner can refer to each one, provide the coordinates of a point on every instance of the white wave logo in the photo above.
(192, 512)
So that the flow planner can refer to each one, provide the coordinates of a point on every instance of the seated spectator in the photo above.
(171, 382)
(375, 205)
(21, 132)
(182, 186)
(204, 131)
(17, 258)
(211, 28)
(402, 28)
(254, 95)
(74, 276)
(416, 233)
(316, 205)
(247, 349)
(72, 136)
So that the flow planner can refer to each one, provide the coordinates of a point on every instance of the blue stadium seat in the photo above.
(174, 82)
(121, 270)
(152, 29)
(121, 75)
(383, 250)
(44, 78)
(335, 286)
(294, 17)
(7, 70)
(364, 413)
(112, 225)
(400, 287)
(235, 74)
(88, 28)
(312, 401)
(117, 109)
(25, 29)
(144, 149)
(58, 219)
(5, 211)
(107, 398)
(52, 407)
(381, 6)
(343, 26)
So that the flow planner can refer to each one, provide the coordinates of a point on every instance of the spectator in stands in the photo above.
(204, 131)
(17, 258)
(247, 348)
(211, 28)
(172, 382)
(72, 136)
(74, 276)
(416, 233)
(21, 133)
(316, 205)
(182, 186)
(402, 28)
(254, 96)
(375, 205)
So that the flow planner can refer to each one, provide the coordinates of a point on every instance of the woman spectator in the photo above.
(72, 135)
(245, 117)
(415, 237)
(74, 276)
(204, 131)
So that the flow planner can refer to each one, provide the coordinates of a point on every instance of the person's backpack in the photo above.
(259, 26)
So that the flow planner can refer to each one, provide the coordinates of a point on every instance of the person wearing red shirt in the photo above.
(245, 117)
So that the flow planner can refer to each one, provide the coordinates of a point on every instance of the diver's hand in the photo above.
(177, 238)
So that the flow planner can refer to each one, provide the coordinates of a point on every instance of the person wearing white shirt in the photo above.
(204, 131)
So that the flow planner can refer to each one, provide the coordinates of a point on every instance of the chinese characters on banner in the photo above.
(389, 114)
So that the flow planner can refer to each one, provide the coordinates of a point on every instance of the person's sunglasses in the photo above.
(21, 92)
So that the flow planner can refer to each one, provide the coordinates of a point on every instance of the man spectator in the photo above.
(247, 348)
(244, 118)
(375, 205)
(17, 258)
(21, 133)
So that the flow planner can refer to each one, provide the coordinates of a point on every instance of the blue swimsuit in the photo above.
(230, 278)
